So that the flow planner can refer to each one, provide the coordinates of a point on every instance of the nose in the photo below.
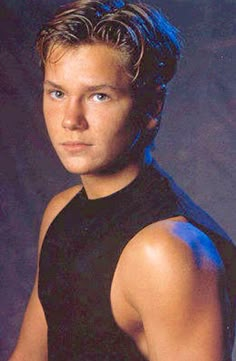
(74, 118)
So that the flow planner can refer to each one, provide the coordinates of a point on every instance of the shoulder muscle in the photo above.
(170, 251)
(57, 203)
(169, 274)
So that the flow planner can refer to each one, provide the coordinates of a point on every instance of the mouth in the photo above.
(72, 146)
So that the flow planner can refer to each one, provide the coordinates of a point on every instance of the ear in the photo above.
(154, 119)
(152, 123)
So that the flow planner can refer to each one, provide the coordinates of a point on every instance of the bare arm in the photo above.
(32, 341)
(174, 289)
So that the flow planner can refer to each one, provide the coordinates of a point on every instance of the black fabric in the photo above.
(80, 253)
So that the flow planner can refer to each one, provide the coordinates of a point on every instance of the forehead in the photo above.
(88, 62)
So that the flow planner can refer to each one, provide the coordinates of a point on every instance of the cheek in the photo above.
(52, 128)
(48, 121)
(117, 123)
(51, 119)
(117, 137)
(45, 106)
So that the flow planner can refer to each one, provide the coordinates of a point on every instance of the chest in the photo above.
(79, 256)
(78, 260)
(77, 266)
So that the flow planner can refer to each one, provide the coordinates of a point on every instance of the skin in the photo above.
(171, 262)
(92, 109)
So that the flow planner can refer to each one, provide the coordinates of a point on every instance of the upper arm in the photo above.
(32, 342)
(174, 289)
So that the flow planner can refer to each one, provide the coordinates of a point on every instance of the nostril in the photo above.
(75, 123)
(74, 117)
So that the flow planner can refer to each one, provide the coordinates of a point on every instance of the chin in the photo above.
(82, 166)
(73, 166)
(76, 169)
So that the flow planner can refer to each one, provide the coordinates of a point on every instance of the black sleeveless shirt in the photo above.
(80, 253)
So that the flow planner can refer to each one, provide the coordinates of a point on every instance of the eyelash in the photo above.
(54, 94)
(58, 94)
(101, 94)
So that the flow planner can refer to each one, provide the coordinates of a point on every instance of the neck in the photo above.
(104, 184)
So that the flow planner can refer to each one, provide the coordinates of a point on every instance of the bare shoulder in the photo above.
(166, 282)
(173, 240)
(169, 253)
(33, 334)
(60, 200)
(56, 204)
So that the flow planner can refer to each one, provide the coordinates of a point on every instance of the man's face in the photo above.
(87, 106)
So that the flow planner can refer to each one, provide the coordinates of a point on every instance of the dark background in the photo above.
(196, 143)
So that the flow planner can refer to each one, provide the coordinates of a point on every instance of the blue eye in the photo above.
(100, 97)
(56, 94)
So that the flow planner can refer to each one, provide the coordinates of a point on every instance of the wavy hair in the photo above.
(138, 30)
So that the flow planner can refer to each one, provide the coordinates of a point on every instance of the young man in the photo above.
(129, 268)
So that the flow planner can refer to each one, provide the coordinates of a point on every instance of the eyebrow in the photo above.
(51, 83)
(89, 88)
